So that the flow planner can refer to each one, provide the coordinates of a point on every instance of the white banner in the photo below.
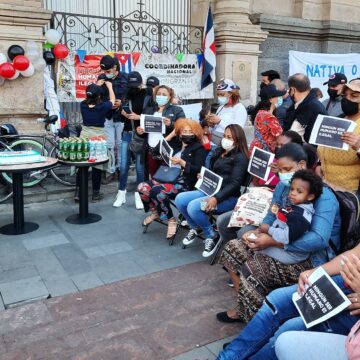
(319, 67)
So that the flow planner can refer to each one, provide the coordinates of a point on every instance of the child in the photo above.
(294, 220)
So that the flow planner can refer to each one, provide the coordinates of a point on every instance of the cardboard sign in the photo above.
(209, 183)
(166, 152)
(152, 124)
(327, 131)
(321, 301)
(259, 164)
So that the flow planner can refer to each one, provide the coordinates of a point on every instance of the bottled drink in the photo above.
(92, 150)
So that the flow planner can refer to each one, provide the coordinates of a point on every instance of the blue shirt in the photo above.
(325, 225)
(95, 116)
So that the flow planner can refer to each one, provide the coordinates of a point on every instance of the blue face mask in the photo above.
(109, 76)
(279, 101)
(285, 178)
(162, 100)
(223, 100)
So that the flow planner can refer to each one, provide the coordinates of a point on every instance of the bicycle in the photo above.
(45, 144)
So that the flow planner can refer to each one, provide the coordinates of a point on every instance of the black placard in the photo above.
(259, 163)
(153, 124)
(210, 183)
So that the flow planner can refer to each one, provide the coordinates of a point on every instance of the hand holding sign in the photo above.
(351, 139)
(259, 164)
(166, 152)
(209, 182)
(152, 124)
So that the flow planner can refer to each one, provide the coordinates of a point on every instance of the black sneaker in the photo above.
(211, 244)
(190, 237)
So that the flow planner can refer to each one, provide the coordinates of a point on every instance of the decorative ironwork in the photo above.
(137, 31)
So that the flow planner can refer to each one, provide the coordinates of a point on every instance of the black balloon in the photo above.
(49, 57)
(15, 50)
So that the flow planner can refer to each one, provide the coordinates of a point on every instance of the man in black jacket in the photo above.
(301, 116)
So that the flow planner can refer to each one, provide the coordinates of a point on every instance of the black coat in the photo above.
(306, 114)
(233, 169)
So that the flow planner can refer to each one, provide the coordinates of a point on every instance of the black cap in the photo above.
(134, 79)
(271, 74)
(270, 91)
(336, 79)
(93, 90)
(152, 81)
(107, 62)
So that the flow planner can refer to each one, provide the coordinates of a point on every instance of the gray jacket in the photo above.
(333, 107)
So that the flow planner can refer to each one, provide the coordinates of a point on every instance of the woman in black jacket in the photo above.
(163, 96)
(189, 156)
(230, 162)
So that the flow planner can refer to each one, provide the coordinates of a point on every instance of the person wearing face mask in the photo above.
(341, 169)
(162, 106)
(136, 100)
(230, 162)
(301, 116)
(151, 83)
(280, 111)
(268, 76)
(242, 257)
(335, 85)
(114, 123)
(189, 156)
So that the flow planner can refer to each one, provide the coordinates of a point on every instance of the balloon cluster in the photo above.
(52, 48)
(19, 61)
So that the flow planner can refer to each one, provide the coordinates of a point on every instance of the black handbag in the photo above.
(167, 175)
(137, 144)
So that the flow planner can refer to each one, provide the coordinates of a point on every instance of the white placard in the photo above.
(209, 182)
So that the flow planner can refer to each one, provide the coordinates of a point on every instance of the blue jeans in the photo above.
(209, 156)
(125, 162)
(114, 136)
(188, 203)
(276, 316)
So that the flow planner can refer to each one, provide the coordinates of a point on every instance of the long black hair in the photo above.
(261, 105)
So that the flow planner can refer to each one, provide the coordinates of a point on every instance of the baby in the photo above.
(294, 220)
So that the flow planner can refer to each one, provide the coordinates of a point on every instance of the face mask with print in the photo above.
(162, 100)
(227, 144)
(279, 101)
(285, 178)
(223, 100)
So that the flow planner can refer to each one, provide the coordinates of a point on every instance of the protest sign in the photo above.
(209, 182)
(321, 301)
(259, 164)
(184, 77)
(318, 67)
(166, 151)
(152, 124)
(327, 131)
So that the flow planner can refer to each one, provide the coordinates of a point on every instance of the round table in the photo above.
(19, 226)
(83, 217)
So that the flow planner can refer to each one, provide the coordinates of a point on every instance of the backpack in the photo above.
(8, 129)
(350, 227)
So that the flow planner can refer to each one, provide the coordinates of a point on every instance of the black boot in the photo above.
(96, 196)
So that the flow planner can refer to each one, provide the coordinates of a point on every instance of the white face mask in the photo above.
(223, 100)
(227, 144)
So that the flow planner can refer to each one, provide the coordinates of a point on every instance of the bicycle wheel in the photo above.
(31, 178)
(65, 175)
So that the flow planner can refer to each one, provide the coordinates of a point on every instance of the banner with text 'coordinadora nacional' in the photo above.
(183, 76)
(319, 67)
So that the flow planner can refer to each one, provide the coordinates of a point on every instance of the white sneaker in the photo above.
(120, 198)
(138, 203)
(190, 237)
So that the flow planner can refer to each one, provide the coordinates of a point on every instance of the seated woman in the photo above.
(254, 275)
(163, 96)
(189, 155)
(278, 315)
(341, 169)
(230, 162)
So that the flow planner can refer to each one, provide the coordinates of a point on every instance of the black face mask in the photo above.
(134, 91)
(188, 139)
(262, 85)
(349, 107)
(332, 93)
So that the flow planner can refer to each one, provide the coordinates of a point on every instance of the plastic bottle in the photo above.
(92, 150)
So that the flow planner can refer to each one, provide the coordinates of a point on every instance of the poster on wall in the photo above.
(319, 67)
(184, 77)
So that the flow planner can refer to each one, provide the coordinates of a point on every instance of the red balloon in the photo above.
(7, 70)
(21, 63)
(60, 51)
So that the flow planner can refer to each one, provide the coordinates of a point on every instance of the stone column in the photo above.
(22, 100)
(237, 41)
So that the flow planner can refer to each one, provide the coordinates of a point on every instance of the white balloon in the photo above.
(3, 58)
(40, 64)
(29, 71)
(31, 45)
(52, 36)
(2, 80)
(32, 55)
(17, 73)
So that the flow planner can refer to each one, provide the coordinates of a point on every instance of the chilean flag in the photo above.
(209, 63)
(125, 62)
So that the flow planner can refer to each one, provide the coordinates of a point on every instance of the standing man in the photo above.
(268, 76)
(280, 111)
(114, 124)
(301, 116)
(151, 83)
(335, 85)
